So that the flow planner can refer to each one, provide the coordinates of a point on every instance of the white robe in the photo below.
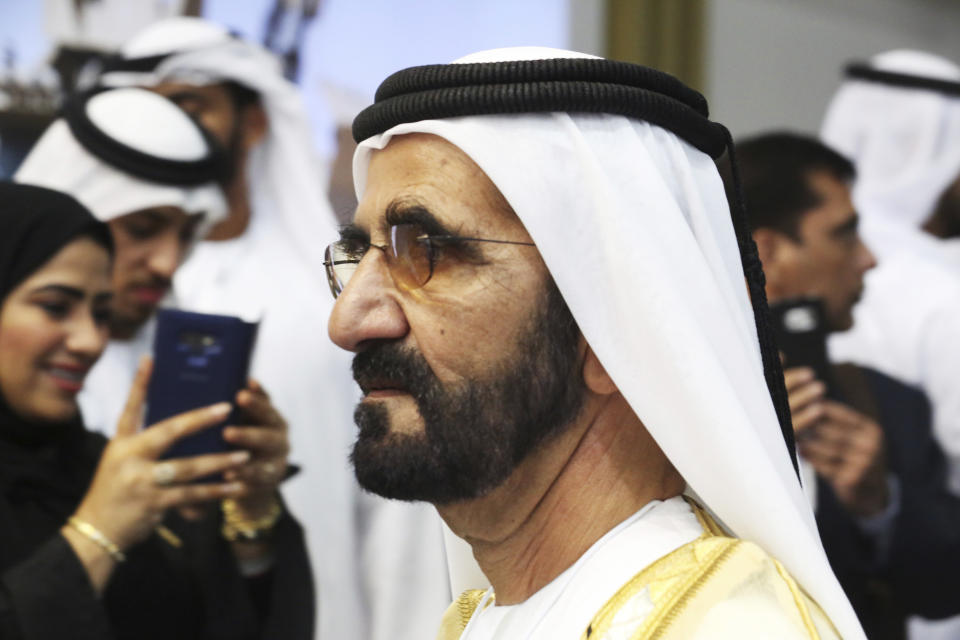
(107, 385)
(569, 604)
(565, 607)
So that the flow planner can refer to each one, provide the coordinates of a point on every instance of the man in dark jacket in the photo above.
(874, 473)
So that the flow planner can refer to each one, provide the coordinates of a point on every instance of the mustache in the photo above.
(152, 281)
(390, 365)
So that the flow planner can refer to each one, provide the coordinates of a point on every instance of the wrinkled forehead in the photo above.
(429, 172)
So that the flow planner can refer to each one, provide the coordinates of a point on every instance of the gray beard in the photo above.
(476, 433)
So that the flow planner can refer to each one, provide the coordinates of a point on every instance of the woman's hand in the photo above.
(131, 490)
(264, 435)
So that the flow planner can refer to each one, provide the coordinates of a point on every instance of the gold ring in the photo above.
(164, 474)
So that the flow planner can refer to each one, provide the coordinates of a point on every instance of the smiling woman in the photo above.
(53, 327)
(55, 293)
(81, 552)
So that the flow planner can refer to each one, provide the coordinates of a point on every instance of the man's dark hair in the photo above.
(775, 170)
(241, 95)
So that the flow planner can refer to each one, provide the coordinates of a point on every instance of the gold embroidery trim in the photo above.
(671, 605)
(709, 524)
(658, 623)
(799, 600)
(668, 607)
(467, 604)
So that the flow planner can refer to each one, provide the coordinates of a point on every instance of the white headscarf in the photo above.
(142, 120)
(635, 229)
(283, 165)
(905, 143)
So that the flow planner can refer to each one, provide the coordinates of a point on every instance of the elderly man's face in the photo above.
(463, 376)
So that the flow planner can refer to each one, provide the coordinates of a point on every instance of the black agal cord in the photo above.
(863, 71)
(579, 85)
(186, 173)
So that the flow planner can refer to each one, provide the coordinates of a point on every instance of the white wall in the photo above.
(587, 26)
(776, 63)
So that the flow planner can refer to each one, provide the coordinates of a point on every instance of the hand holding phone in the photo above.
(800, 327)
(131, 489)
(263, 432)
(807, 397)
(199, 360)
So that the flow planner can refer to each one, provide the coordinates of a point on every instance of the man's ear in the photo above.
(254, 124)
(595, 376)
(769, 249)
(767, 242)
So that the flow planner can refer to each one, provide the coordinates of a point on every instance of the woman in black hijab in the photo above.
(81, 553)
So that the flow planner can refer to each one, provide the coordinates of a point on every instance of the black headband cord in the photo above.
(186, 173)
(862, 71)
(585, 85)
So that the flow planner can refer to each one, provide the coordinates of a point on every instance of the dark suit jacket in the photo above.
(918, 575)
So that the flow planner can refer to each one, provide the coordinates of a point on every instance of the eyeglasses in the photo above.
(412, 256)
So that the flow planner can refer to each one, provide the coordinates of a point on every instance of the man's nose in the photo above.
(165, 256)
(867, 259)
(368, 307)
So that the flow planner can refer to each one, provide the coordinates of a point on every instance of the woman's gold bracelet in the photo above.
(92, 533)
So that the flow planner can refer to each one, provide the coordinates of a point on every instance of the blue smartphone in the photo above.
(199, 359)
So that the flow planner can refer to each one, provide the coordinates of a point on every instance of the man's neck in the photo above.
(941, 226)
(123, 330)
(944, 222)
(238, 216)
(562, 499)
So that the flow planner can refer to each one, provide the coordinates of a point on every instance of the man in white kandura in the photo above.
(545, 296)
(378, 565)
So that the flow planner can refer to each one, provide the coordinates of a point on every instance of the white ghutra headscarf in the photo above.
(635, 229)
(142, 122)
(904, 142)
(283, 169)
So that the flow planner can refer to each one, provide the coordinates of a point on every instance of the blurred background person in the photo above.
(875, 476)
(81, 554)
(897, 117)
(899, 123)
(373, 559)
